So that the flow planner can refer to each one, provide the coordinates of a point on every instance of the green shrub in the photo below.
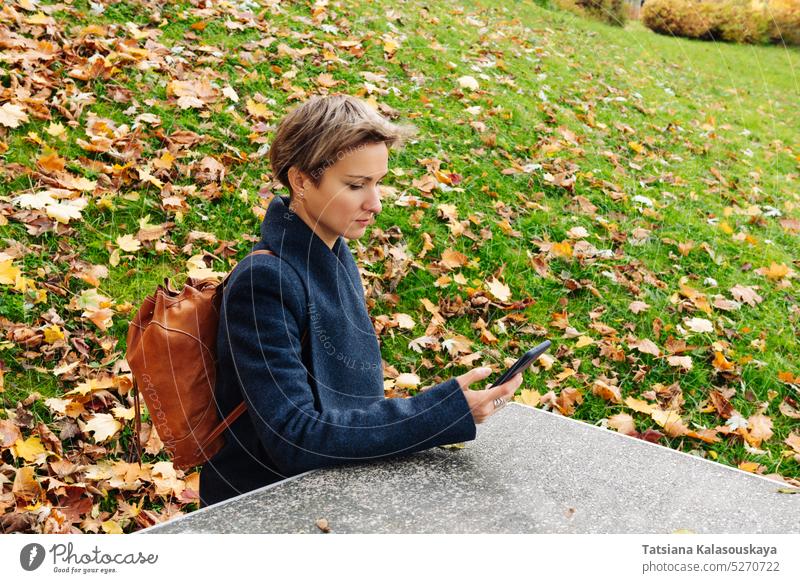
(675, 17)
(783, 21)
(740, 21)
(736, 21)
(608, 11)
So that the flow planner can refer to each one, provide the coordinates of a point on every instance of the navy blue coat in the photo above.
(317, 405)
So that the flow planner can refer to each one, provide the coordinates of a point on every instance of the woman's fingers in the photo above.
(473, 376)
(482, 403)
(506, 390)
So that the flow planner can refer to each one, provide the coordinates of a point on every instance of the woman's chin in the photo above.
(354, 232)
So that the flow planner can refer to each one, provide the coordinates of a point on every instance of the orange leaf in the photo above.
(707, 435)
(759, 429)
(452, 259)
(563, 249)
(566, 400)
(51, 162)
(671, 421)
(26, 489)
(775, 271)
(623, 423)
(751, 467)
(721, 404)
(720, 362)
(607, 391)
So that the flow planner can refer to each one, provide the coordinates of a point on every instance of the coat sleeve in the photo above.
(263, 321)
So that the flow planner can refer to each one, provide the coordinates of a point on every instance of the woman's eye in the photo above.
(358, 186)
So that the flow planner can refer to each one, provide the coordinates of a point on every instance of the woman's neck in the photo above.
(328, 237)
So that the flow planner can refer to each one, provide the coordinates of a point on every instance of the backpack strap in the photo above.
(237, 412)
(241, 407)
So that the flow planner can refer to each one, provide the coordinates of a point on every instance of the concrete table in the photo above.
(528, 471)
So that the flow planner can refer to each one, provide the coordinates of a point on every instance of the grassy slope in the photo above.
(564, 68)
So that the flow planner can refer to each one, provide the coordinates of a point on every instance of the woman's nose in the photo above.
(374, 203)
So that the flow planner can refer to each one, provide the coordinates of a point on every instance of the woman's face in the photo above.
(349, 192)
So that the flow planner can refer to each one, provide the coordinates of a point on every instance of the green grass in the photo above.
(695, 108)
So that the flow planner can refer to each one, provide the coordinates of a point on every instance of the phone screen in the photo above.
(523, 362)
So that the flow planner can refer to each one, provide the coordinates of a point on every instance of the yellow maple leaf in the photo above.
(165, 161)
(707, 435)
(749, 467)
(404, 321)
(258, 109)
(67, 210)
(453, 259)
(776, 271)
(146, 176)
(407, 380)
(528, 397)
(165, 479)
(639, 405)
(100, 317)
(606, 391)
(53, 334)
(721, 363)
(129, 243)
(390, 45)
(50, 161)
(636, 147)
(82, 388)
(123, 412)
(562, 249)
(623, 423)
(55, 129)
(8, 273)
(759, 429)
(111, 527)
(29, 450)
(39, 18)
(671, 422)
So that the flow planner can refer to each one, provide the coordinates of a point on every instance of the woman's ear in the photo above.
(297, 179)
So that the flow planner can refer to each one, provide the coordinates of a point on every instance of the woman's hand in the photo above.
(480, 402)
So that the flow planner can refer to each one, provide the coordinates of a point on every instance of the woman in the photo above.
(318, 400)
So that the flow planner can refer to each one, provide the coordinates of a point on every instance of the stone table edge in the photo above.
(583, 425)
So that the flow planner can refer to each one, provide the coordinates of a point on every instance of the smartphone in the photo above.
(523, 362)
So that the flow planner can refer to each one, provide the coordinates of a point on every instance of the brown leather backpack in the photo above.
(172, 354)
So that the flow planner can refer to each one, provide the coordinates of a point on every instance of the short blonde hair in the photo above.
(315, 134)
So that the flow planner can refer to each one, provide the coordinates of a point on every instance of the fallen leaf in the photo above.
(31, 449)
(12, 115)
(699, 325)
(407, 380)
(499, 290)
(623, 423)
(468, 82)
(759, 429)
(103, 426)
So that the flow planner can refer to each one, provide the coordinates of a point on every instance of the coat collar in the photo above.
(284, 232)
